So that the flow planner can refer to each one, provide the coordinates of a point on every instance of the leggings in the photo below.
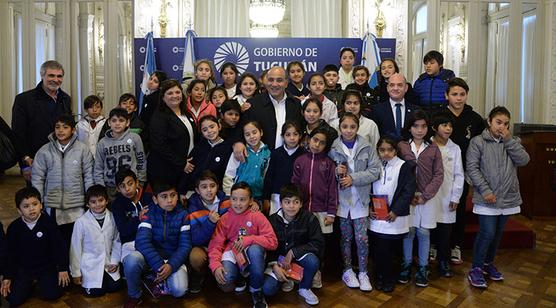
(348, 228)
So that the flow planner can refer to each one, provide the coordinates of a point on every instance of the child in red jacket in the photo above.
(241, 232)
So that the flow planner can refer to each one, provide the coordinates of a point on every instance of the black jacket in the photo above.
(150, 104)
(169, 140)
(206, 157)
(263, 112)
(280, 170)
(33, 118)
(292, 90)
(302, 235)
(335, 94)
(466, 126)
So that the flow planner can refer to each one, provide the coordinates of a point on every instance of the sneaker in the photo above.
(195, 283)
(309, 296)
(444, 269)
(456, 256)
(132, 302)
(259, 300)
(422, 277)
(241, 285)
(432, 253)
(388, 287)
(317, 280)
(379, 282)
(492, 272)
(349, 278)
(476, 278)
(287, 286)
(405, 272)
(364, 283)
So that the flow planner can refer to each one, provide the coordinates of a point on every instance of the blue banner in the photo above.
(254, 54)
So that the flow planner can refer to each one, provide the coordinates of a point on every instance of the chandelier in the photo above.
(257, 30)
(265, 15)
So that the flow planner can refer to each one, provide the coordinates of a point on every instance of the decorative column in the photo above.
(547, 107)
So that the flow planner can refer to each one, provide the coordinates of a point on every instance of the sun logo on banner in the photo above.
(232, 52)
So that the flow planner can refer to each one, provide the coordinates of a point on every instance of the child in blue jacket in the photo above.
(163, 243)
(205, 207)
(431, 86)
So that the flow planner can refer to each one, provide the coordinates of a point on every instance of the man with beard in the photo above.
(35, 111)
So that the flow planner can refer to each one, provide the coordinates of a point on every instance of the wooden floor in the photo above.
(530, 280)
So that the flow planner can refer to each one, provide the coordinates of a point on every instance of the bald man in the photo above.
(390, 116)
(272, 110)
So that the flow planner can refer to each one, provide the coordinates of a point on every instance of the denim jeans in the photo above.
(135, 265)
(423, 239)
(488, 238)
(256, 268)
(310, 263)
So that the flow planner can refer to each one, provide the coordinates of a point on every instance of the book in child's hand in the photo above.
(241, 258)
(380, 206)
(156, 289)
(295, 272)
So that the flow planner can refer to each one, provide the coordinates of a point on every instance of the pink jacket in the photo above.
(205, 109)
(430, 170)
(316, 175)
(258, 228)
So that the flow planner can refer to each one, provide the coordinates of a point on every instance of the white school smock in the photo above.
(93, 247)
(387, 186)
(423, 215)
(452, 186)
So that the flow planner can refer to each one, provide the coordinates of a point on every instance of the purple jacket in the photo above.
(430, 171)
(316, 175)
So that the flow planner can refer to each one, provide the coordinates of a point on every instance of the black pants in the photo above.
(442, 235)
(458, 231)
(22, 284)
(385, 251)
(109, 285)
(66, 230)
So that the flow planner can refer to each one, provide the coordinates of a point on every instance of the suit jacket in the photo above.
(384, 119)
(169, 139)
(262, 111)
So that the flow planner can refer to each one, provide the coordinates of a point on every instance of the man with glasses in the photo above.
(35, 111)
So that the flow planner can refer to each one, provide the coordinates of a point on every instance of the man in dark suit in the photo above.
(390, 116)
(34, 113)
(271, 110)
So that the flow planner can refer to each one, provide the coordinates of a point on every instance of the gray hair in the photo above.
(51, 64)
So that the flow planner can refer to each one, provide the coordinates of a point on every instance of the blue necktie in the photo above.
(399, 119)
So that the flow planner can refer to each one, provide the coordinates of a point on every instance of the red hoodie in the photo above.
(316, 175)
(259, 231)
(204, 109)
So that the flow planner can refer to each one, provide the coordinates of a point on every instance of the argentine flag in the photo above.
(149, 68)
(189, 56)
(370, 58)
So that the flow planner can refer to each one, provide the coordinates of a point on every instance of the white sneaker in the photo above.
(455, 257)
(287, 286)
(349, 278)
(364, 283)
(317, 280)
(309, 296)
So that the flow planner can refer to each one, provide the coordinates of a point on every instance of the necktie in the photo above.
(93, 123)
(399, 119)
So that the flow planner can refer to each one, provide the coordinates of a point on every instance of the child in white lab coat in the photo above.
(95, 246)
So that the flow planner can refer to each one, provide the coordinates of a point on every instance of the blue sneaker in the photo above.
(476, 278)
(492, 272)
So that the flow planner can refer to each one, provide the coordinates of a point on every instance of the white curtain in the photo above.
(497, 64)
(316, 18)
(502, 64)
(528, 67)
(222, 18)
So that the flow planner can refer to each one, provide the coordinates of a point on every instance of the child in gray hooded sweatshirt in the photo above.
(120, 148)
(492, 161)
